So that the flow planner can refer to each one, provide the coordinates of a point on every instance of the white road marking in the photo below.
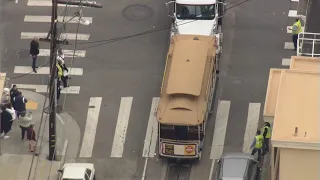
(288, 45)
(47, 19)
(45, 3)
(286, 62)
(121, 128)
(252, 126)
(144, 169)
(43, 88)
(219, 135)
(150, 141)
(295, 0)
(91, 127)
(290, 31)
(69, 36)
(44, 70)
(67, 53)
(65, 146)
(292, 13)
(60, 119)
(16, 1)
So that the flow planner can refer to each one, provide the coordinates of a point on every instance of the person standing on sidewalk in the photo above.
(296, 29)
(12, 112)
(266, 137)
(13, 93)
(257, 145)
(20, 104)
(32, 140)
(5, 122)
(34, 52)
(24, 123)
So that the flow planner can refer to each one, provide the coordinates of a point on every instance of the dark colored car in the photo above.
(237, 166)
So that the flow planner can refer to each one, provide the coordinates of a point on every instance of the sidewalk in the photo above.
(15, 160)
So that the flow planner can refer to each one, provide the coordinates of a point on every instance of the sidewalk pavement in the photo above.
(15, 160)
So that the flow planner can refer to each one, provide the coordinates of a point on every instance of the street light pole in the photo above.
(53, 82)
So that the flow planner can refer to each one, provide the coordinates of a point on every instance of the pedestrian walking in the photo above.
(257, 145)
(266, 137)
(13, 93)
(32, 140)
(296, 29)
(34, 52)
(5, 122)
(20, 104)
(24, 123)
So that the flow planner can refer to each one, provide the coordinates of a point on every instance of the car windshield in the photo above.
(204, 12)
(235, 168)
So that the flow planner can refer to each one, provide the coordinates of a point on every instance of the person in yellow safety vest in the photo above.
(59, 75)
(266, 137)
(257, 144)
(296, 29)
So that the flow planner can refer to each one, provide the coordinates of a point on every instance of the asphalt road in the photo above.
(253, 43)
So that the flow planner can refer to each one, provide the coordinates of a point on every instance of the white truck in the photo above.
(198, 17)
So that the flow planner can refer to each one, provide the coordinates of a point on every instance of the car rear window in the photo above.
(234, 167)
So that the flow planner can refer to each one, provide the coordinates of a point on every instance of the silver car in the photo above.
(237, 166)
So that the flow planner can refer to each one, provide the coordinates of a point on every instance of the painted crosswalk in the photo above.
(69, 36)
(27, 35)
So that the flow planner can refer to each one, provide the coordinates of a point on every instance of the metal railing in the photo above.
(307, 44)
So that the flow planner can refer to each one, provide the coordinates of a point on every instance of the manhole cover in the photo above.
(137, 12)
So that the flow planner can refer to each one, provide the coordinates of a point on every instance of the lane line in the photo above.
(290, 31)
(45, 3)
(47, 19)
(286, 61)
(64, 150)
(252, 125)
(288, 45)
(43, 88)
(294, 0)
(69, 36)
(16, 1)
(121, 128)
(219, 135)
(292, 13)
(67, 53)
(144, 169)
(44, 70)
(150, 141)
(91, 127)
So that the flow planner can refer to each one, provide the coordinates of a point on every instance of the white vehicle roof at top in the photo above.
(195, 2)
(77, 171)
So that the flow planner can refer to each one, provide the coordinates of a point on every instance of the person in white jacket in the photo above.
(11, 110)
(25, 122)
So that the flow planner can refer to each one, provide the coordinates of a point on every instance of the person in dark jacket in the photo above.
(34, 51)
(5, 122)
(13, 93)
(20, 104)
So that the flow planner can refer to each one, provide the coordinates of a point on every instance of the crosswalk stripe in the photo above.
(292, 13)
(44, 70)
(252, 125)
(219, 135)
(43, 88)
(290, 31)
(47, 19)
(45, 3)
(295, 0)
(69, 36)
(286, 62)
(91, 127)
(288, 45)
(150, 141)
(121, 127)
(67, 53)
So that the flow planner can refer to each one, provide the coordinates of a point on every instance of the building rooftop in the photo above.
(296, 121)
(298, 63)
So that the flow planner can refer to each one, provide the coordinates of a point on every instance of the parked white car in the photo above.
(77, 171)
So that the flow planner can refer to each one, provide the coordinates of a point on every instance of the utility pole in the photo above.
(53, 84)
